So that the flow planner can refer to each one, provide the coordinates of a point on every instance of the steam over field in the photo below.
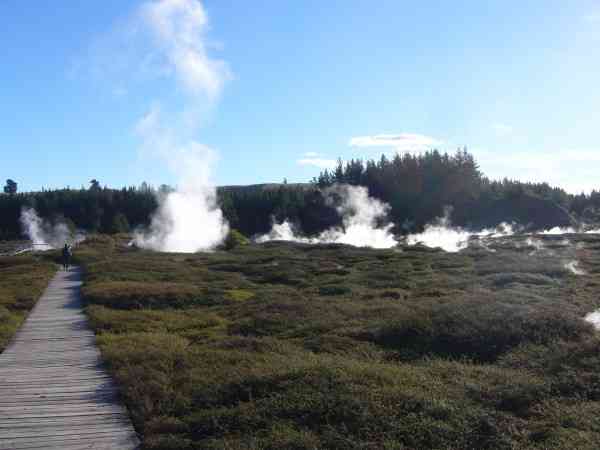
(46, 235)
(291, 345)
(360, 216)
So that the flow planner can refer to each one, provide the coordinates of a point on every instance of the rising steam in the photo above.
(594, 319)
(45, 235)
(188, 219)
(360, 216)
(558, 231)
(284, 231)
(441, 234)
(573, 267)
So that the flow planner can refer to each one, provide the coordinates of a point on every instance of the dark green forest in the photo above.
(418, 188)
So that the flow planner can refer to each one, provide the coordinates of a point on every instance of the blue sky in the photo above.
(278, 88)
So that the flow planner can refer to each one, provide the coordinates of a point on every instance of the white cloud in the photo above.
(402, 142)
(317, 160)
(502, 129)
(574, 170)
(321, 163)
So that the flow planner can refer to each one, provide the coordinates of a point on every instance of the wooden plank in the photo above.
(53, 421)
(54, 391)
(96, 441)
(66, 407)
(103, 385)
(63, 415)
(62, 431)
(43, 381)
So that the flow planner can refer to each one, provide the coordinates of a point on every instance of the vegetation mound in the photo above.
(137, 295)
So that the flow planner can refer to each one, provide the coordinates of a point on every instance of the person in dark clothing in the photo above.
(66, 254)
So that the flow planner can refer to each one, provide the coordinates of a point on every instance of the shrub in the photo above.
(152, 369)
(235, 239)
(334, 290)
(479, 331)
(572, 368)
(135, 295)
(240, 295)
(504, 279)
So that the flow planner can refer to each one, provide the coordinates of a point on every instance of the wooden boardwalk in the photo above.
(54, 392)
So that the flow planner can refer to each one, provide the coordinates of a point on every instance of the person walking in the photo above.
(66, 254)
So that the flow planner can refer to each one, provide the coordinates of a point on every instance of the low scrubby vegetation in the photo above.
(22, 280)
(294, 346)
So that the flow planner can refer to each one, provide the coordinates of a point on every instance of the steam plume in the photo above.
(177, 29)
(559, 231)
(594, 319)
(189, 219)
(573, 267)
(44, 235)
(284, 231)
(360, 215)
(453, 239)
(441, 234)
(536, 244)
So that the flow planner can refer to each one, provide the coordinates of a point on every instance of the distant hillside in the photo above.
(267, 187)
(528, 210)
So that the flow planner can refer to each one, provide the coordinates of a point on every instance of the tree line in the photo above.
(95, 209)
(419, 188)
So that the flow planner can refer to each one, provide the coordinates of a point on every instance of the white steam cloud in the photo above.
(360, 216)
(594, 319)
(573, 267)
(44, 235)
(188, 219)
(441, 234)
(178, 29)
(537, 245)
(558, 231)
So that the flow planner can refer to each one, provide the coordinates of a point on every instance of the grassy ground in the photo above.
(9, 247)
(303, 347)
(22, 280)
